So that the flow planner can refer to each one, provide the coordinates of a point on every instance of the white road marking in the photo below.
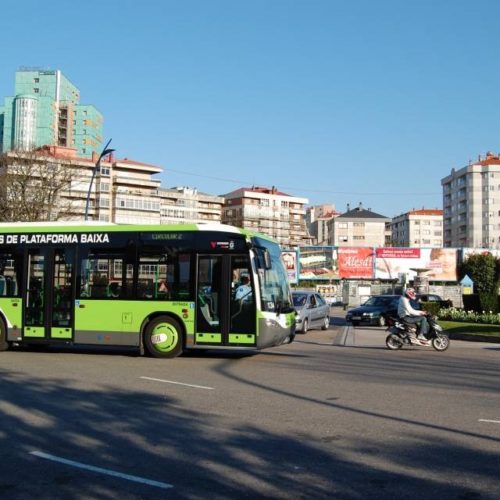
(99, 470)
(178, 383)
(490, 421)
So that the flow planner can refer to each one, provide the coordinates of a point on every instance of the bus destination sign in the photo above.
(53, 239)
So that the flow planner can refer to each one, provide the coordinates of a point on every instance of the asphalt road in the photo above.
(320, 418)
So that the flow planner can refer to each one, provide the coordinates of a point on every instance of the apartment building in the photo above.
(418, 228)
(318, 219)
(188, 205)
(471, 204)
(123, 190)
(268, 211)
(45, 110)
(360, 227)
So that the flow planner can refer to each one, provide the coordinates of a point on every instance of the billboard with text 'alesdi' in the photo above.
(324, 263)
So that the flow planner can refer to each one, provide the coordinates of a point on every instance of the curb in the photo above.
(474, 338)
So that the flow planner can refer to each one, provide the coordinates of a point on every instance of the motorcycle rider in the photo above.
(410, 315)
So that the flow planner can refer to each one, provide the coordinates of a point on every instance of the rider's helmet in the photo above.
(410, 293)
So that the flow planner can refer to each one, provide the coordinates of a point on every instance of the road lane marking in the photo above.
(490, 421)
(99, 470)
(178, 383)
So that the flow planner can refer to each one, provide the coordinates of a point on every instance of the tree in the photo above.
(484, 270)
(35, 187)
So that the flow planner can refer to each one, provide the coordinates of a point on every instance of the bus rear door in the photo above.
(48, 304)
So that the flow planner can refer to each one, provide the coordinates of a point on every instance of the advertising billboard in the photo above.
(402, 263)
(355, 262)
(479, 251)
(318, 263)
(290, 259)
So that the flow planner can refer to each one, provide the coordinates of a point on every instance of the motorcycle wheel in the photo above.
(441, 343)
(393, 342)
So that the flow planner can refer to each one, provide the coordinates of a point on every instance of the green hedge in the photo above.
(432, 307)
(472, 302)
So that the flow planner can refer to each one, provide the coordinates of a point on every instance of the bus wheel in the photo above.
(4, 345)
(163, 338)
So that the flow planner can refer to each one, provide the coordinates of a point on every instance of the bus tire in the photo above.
(4, 344)
(163, 338)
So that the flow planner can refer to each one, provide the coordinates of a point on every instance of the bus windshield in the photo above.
(273, 280)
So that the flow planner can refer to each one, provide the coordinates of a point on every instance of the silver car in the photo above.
(312, 311)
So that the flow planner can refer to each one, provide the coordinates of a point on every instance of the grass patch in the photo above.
(470, 328)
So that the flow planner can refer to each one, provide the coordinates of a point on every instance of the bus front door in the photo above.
(48, 310)
(225, 316)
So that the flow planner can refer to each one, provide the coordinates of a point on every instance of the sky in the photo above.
(335, 101)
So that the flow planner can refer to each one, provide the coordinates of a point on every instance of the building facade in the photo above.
(46, 110)
(123, 191)
(187, 205)
(471, 204)
(270, 212)
(360, 227)
(318, 222)
(418, 228)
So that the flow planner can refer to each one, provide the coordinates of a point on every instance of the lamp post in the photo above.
(96, 169)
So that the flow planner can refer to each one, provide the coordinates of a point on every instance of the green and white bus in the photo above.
(162, 289)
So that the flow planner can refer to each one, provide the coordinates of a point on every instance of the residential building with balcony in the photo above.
(46, 110)
(123, 191)
(418, 228)
(360, 227)
(270, 212)
(471, 204)
(188, 205)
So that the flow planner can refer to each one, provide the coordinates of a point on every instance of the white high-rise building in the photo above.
(471, 204)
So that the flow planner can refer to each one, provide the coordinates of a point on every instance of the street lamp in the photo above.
(96, 169)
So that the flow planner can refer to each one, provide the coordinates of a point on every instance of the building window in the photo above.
(36, 90)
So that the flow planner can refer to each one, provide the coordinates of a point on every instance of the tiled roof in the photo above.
(426, 211)
(361, 213)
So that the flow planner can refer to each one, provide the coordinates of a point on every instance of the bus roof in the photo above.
(97, 226)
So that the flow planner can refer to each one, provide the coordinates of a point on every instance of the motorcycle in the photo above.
(402, 333)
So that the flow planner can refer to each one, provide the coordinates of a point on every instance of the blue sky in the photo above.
(335, 101)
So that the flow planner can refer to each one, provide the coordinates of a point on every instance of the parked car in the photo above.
(432, 297)
(374, 311)
(312, 311)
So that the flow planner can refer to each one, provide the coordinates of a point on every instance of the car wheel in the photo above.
(326, 323)
(381, 321)
(305, 326)
(355, 323)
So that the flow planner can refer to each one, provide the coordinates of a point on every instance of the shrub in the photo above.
(432, 307)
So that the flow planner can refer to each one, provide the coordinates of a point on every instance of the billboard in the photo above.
(402, 263)
(318, 263)
(290, 259)
(481, 251)
(355, 262)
